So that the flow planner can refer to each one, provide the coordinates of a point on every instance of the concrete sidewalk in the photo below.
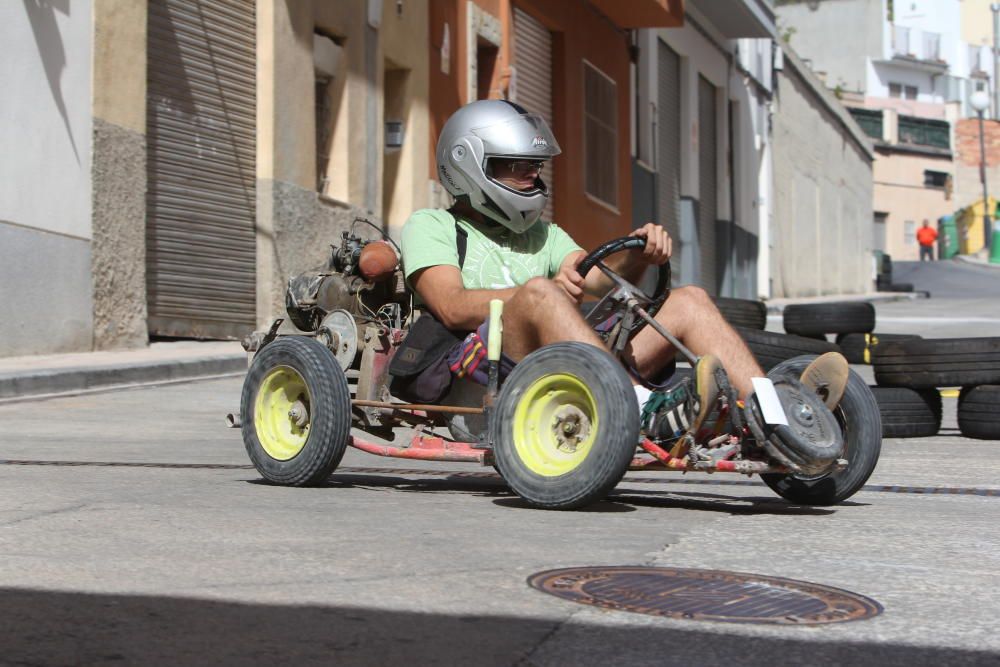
(52, 374)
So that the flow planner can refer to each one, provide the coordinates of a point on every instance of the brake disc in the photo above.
(812, 441)
(340, 334)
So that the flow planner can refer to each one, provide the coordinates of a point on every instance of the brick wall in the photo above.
(967, 184)
(967, 142)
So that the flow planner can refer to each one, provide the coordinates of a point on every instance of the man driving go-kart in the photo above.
(576, 394)
(492, 244)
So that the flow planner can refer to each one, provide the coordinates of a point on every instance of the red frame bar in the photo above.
(427, 448)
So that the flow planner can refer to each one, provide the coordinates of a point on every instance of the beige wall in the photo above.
(900, 192)
(977, 22)
(822, 226)
(381, 72)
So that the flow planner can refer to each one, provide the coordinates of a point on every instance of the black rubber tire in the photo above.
(806, 319)
(859, 348)
(978, 416)
(743, 312)
(938, 362)
(613, 445)
(886, 266)
(859, 418)
(329, 405)
(772, 348)
(898, 287)
(908, 413)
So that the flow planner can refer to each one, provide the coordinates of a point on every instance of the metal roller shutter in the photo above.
(533, 89)
(707, 184)
(201, 168)
(668, 146)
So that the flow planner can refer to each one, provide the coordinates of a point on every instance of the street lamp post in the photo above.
(980, 101)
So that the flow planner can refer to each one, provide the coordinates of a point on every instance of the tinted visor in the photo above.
(527, 135)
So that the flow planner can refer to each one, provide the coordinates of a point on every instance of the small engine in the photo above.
(362, 277)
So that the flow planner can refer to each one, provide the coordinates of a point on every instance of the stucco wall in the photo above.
(822, 229)
(45, 132)
(118, 263)
(837, 36)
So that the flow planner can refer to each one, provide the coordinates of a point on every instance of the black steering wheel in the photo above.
(615, 301)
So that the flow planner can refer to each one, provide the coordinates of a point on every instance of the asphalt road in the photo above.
(133, 531)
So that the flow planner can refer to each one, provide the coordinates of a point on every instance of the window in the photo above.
(600, 135)
(901, 91)
(327, 68)
(910, 232)
(324, 131)
(486, 62)
(935, 179)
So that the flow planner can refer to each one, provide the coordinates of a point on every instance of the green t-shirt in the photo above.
(495, 256)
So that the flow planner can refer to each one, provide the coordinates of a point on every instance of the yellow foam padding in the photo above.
(496, 330)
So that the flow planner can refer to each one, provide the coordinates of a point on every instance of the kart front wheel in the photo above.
(860, 421)
(565, 426)
(295, 412)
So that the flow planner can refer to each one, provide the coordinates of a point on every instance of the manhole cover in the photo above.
(706, 595)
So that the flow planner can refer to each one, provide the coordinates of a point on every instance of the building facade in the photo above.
(570, 62)
(203, 152)
(702, 145)
(907, 71)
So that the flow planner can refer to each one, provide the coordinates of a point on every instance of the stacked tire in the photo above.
(745, 313)
(926, 365)
(906, 413)
(749, 318)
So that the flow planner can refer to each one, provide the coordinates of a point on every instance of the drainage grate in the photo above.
(706, 595)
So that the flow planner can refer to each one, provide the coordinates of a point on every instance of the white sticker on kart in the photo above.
(770, 404)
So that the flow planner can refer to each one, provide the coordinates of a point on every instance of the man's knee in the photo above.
(693, 296)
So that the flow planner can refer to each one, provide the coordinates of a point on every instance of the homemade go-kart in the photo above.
(562, 429)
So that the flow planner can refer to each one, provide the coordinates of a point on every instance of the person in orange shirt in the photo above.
(926, 237)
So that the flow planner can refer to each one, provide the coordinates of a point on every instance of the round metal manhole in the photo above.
(706, 595)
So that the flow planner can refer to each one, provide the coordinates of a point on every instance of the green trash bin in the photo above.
(947, 237)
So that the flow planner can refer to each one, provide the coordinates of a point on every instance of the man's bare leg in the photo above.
(691, 316)
(541, 313)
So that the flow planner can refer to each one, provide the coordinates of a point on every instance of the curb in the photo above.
(81, 379)
(875, 297)
(967, 259)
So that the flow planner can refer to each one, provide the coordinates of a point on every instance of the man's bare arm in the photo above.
(457, 308)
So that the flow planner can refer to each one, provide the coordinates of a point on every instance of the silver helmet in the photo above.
(487, 129)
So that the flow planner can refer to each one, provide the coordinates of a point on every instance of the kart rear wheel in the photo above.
(295, 412)
(859, 419)
(566, 426)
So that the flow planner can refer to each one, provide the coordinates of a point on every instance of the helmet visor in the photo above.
(527, 135)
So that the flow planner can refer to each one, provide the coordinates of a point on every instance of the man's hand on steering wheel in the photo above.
(570, 280)
(659, 245)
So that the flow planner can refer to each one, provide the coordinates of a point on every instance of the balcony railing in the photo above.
(913, 43)
(924, 132)
(870, 121)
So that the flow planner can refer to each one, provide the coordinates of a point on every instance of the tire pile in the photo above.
(883, 279)
(922, 367)
(749, 318)
(909, 370)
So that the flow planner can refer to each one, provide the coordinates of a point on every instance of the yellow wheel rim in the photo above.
(282, 413)
(555, 424)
